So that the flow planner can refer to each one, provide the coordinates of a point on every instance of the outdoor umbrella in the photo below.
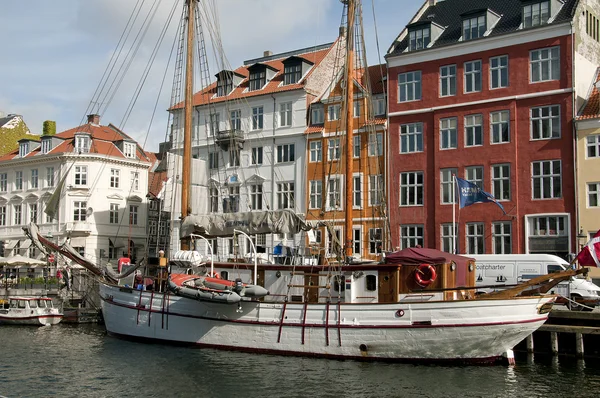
(19, 260)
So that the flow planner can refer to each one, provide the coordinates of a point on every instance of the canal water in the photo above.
(82, 361)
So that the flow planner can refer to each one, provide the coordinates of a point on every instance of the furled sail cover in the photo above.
(256, 222)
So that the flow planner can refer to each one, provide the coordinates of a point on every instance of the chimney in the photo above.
(432, 3)
(267, 53)
(94, 119)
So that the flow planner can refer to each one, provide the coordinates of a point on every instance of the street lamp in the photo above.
(581, 238)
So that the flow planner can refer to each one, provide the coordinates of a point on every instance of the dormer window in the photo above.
(292, 73)
(474, 27)
(258, 78)
(419, 38)
(317, 114)
(46, 145)
(224, 84)
(129, 150)
(536, 14)
(82, 143)
(23, 149)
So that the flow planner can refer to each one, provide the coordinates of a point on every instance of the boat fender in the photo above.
(425, 274)
(238, 285)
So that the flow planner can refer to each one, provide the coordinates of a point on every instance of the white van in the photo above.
(510, 269)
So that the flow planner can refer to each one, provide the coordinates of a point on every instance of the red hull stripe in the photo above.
(320, 325)
(29, 317)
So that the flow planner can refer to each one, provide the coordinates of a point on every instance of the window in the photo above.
(375, 240)
(448, 80)
(447, 237)
(214, 200)
(49, 177)
(18, 180)
(285, 153)
(82, 143)
(409, 86)
(256, 196)
(135, 180)
(500, 127)
(376, 144)
(23, 149)
(357, 191)
(234, 157)
(593, 191)
(224, 84)
(316, 194)
(80, 175)
(472, 76)
(133, 214)
(411, 236)
(375, 190)
(113, 213)
(129, 150)
(34, 183)
(48, 218)
(536, 14)
(548, 226)
(18, 211)
(419, 39)
(292, 73)
(411, 138)
(235, 119)
(257, 155)
(257, 79)
(315, 151)
(3, 182)
(501, 181)
(447, 185)
(114, 178)
(317, 114)
(285, 114)
(214, 123)
(592, 145)
(33, 212)
(474, 174)
(356, 241)
(2, 215)
(46, 145)
(545, 64)
(411, 188)
(474, 28)
(79, 211)
(475, 243)
(546, 176)
(448, 133)
(232, 202)
(501, 238)
(356, 146)
(371, 283)
(545, 122)
(213, 160)
(334, 193)
(499, 71)
(333, 149)
(334, 112)
(473, 130)
(285, 195)
(257, 118)
(379, 106)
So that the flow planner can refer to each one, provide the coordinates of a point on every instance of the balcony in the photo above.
(78, 227)
(225, 138)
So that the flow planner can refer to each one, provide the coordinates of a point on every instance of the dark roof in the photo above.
(448, 14)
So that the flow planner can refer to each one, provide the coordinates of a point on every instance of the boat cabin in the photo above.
(24, 303)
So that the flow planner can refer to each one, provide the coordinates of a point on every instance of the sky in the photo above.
(55, 53)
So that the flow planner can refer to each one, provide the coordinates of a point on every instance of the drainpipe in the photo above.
(575, 143)
(273, 158)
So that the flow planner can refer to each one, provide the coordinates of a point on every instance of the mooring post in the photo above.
(579, 345)
(554, 343)
(529, 341)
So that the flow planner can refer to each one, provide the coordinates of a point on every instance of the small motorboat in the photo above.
(207, 288)
(37, 311)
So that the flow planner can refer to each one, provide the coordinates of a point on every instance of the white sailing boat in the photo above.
(419, 305)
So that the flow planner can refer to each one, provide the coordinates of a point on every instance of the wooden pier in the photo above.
(570, 333)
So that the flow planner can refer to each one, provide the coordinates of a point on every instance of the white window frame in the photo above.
(409, 86)
(257, 118)
(592, 146)
(448, 80)
(3, 182)
(79, 211)
(539, 10)
(593, 194)
(114, 178)
(475, 238)
(335, 193)
(256, 156)
(375, 241)
(501, 231)
(501, 180)
(357, 191)
(472, 75)
(356, 146)
(315, 194)
(34, 182)
(414, 183)
(50, 177)
(316, 151)
(447, 191)
(499, 70)
(499, 120)
(546, 178)
(256, 196)
(80, 176)
(286, 153)
(286, 195)
(19, 180)
(317, 112)
(548, 58)
(412, 235)
(334, 149)
(285, 114)
(474, 174)
(473, 130)
(449, 133)
(376, 191)
(334, 112)
(411, 138)
(549, 122)
(375, 144)
(476, 24)
(419, 38)
(113, 213)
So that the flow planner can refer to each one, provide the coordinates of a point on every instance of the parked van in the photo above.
(510, 269)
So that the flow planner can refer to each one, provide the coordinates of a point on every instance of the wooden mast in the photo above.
(187, 127)
(349, 99)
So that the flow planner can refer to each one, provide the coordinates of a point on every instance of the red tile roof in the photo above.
(156, 181)
(591, 108)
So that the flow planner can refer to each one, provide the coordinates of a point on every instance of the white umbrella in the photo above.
(21, 260)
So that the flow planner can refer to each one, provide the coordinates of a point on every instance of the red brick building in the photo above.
(487, 90)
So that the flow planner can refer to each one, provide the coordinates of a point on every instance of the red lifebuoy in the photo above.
(425, 274)
(123, 261)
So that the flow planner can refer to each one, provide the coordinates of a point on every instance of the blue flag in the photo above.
(469, 193)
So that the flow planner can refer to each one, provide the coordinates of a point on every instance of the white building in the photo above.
(102, 208)
(249, 127)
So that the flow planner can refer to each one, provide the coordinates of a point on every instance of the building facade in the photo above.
(488, 94)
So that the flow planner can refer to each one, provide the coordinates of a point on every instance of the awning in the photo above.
(10, 244)
(77, 242)
(25, 244)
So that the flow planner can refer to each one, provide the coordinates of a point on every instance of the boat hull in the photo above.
(468, 330)
(33, 319)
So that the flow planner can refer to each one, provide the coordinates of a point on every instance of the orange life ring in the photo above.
(425, 274)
